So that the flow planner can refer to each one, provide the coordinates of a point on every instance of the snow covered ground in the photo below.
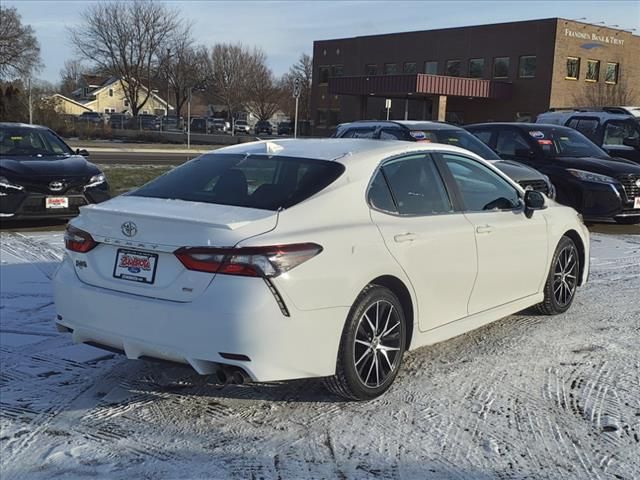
(526, 397)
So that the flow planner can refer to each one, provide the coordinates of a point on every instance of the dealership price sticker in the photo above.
(57, 202)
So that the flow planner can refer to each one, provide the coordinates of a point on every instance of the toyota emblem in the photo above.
(56, 186)
(129, 229)
(638, 183)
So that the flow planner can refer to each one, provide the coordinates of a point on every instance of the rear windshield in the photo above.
(255, 181)
(459, 138)
(31, 143)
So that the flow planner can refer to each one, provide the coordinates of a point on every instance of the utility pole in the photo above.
(30, 104)
(166, 115)
(296, 94)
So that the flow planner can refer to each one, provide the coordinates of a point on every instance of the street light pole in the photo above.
(167, 112)
(189, 121)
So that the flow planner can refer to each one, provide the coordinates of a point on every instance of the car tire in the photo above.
(562, 280)
(371, 346)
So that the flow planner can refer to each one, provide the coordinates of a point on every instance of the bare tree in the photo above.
(183, 66)
(303, 70)
(264, 94)
(19, 48)
(608, 95)
(71, 75)
(125, 39)
(230, 69)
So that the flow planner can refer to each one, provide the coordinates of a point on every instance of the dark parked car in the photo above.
(41, 176)
(144, 121)
(119, 120)
(600, 187)
(616, 132)
(199, 125)
(263, 126)
(438, 132)
(92, 118)
(285, 128)
(171, 122)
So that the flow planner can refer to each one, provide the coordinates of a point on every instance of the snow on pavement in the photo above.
(525, 397)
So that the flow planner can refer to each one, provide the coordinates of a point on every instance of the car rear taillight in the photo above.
(78, 240)
(247, 261)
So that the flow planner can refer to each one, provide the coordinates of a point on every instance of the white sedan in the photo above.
(314, 258)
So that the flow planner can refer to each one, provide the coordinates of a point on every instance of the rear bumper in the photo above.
(235, 315)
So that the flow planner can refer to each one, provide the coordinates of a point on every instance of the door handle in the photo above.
(484, 229)
(405, 237)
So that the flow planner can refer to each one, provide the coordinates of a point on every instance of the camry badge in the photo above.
(56, 186)
(129, 229)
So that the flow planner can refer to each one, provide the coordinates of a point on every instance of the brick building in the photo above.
(502, 72)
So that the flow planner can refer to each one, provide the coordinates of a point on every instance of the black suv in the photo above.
(263, 126)
(598, 186)
(616, 132)
(439, 132)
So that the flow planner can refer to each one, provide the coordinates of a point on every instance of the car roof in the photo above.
(343, 150)
(410, 124)
(521, 125)
(22, 125)
(601, 114)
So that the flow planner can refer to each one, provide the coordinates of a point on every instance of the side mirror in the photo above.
(632, 142)
(82, 152)
(533, 200)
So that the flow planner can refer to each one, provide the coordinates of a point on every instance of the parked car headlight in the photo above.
(591, 177)
(6, 183)
(96, 180)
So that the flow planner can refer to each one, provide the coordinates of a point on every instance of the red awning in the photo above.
(419, 84)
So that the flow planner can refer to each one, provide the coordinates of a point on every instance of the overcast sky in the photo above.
(284, 29)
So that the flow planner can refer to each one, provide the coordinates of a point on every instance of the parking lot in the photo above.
(526, 397)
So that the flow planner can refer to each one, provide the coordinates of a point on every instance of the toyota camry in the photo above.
(326, 258)
(42, 177)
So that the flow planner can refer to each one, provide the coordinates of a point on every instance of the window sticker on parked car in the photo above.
(537, 134)
(16, 139)
(545, 142)
(418, 135)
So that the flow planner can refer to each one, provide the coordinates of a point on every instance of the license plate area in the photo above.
(56, 202)
(135, 266)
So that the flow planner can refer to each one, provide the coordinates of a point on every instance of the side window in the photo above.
(380, 196)
(483, 135)
(511, 144)
(392, 134)
(416, 186)
(573, 123)
(481, 188)
(359, 133)
(588, 127)
(616, 131)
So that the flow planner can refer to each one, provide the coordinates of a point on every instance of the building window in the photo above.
(527, 67)
(612, 73)
(324, 75)
(371, 69)
(337, 70)
(476, 67)
(453, 68)
(593, 71)
(431, 68)
(111, 92)
(390, 68)
(501, 67)
(573, 68)
(321, 117)
(410, 67)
